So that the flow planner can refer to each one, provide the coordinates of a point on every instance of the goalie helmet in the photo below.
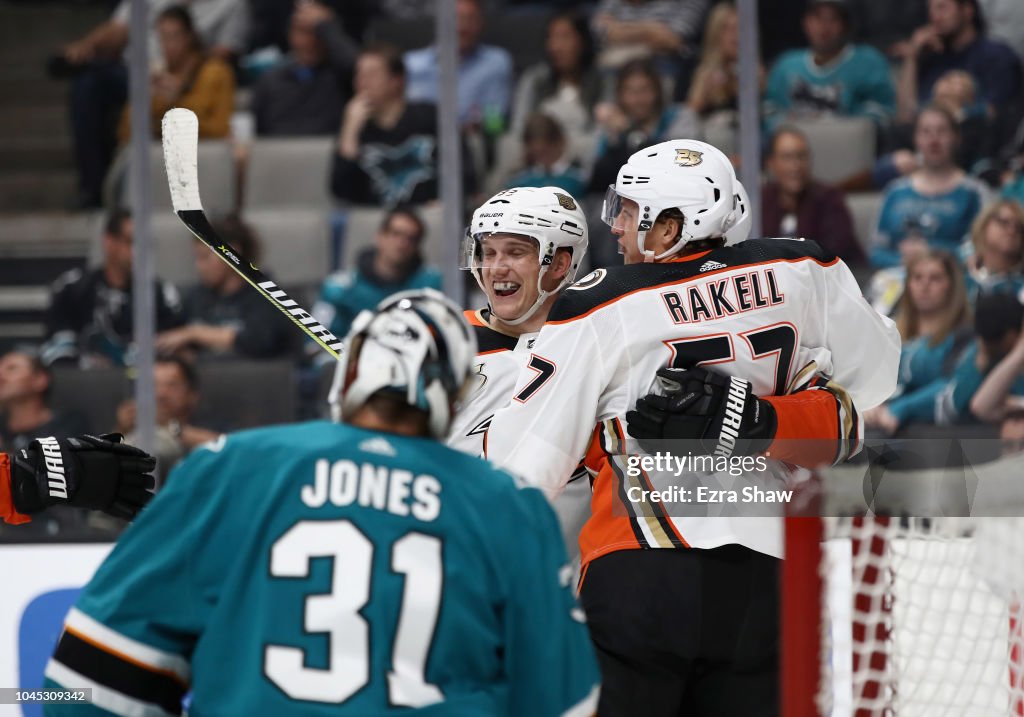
(416, 345)
(693, 177)
(548, 215)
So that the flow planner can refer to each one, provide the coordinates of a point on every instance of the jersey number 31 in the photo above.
(416, 556)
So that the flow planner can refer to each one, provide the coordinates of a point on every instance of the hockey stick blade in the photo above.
(181, 151)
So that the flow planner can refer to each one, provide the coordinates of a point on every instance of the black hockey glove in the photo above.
(100, 473)
(719, 411)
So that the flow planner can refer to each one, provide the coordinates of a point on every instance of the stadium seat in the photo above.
(521, 33)
(233, 394)
(403, 34)
(289, 173)
(94, 394)
(243, 394)
(361, 224)
(295, 244)
(840, 146)
(173, 248)
(864, 210)
(216, 178)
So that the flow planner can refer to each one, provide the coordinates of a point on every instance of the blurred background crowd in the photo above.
(893, 135)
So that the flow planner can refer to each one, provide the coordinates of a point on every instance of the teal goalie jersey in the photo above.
(320, 569)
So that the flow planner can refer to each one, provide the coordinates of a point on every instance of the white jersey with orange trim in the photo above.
(774, 312)
(499, 360)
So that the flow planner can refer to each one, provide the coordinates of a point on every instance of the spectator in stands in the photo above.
(778, 27)
(405, 10)
(793, 204)
(566, 86)
(393, 264)
(1002, 391)
(997, 237)
(714, 91)
(887, 25)
(547, 162)
(1013, 167)
(831, 77)
(934, 323)
(306, 94)
(24, 403)
(715, 85)
(176, 390)
(224, 317)
(271, 20)
(979, 132)
(89, 320)
(954, 39)
(485, 74)
(997, 327)
(630, 29)
(976, 149)
(933, 205)
(99, 84)
(187, 77)
(386, 152)
(638, 118)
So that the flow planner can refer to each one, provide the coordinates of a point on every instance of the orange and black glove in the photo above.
(96, 472)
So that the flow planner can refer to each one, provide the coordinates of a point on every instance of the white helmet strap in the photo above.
(649, 255)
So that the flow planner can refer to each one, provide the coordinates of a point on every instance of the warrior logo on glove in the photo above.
(698, 404)
(96, 472)
(57, 484)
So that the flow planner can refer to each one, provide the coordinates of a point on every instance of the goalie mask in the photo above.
(548, 216)
(416, 345)
(692, 177)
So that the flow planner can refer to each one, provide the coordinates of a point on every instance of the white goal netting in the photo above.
(921, 617)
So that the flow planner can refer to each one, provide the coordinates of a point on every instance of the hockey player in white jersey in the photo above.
(796, 352)
(523, 247)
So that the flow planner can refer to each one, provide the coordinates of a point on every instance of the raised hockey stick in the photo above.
(181, 149)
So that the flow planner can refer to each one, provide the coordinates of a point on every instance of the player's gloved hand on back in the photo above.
(96, 472)
(721, 412)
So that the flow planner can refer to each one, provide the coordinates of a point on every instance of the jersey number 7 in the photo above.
(415, 555)
(545, 370)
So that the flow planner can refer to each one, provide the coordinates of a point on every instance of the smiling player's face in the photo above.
(510, 268)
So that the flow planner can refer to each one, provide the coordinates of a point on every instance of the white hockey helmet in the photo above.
(548, 215)
(416, 345)
(685, 174)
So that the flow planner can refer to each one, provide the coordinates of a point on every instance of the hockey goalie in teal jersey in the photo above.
(353, 569)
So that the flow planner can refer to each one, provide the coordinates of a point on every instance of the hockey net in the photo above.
(908, 615)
